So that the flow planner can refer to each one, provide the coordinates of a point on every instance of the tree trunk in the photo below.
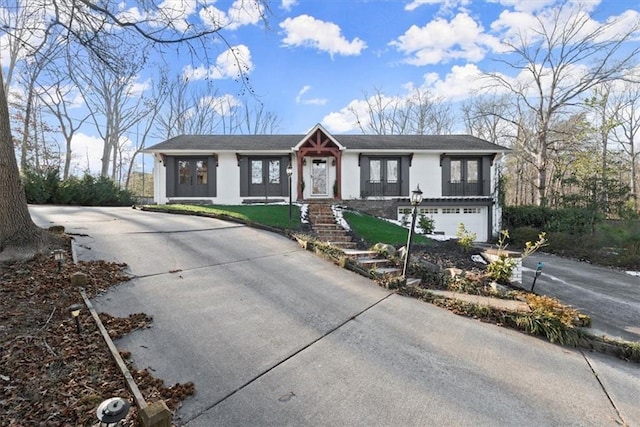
(20, 238)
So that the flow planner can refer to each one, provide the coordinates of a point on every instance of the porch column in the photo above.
(339, 174)
(299, 191)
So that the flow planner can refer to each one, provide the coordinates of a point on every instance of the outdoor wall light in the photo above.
(416, 199)
(112, 411)
(74, 310)
(58, 255)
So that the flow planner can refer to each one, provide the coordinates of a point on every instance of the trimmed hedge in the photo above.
(565, 220)
(47, 188)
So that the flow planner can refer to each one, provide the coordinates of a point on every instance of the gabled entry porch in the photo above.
(318, 159)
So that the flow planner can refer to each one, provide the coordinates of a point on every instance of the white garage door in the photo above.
(448, 218)
(474, 219)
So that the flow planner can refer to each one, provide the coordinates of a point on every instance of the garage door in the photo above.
(448, 218)
(474, 219)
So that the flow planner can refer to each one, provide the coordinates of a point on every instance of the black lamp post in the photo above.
(416, 199)
(74, 310)
(289, 174)
(58, 255)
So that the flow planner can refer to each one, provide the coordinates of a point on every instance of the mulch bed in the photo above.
(49, 374)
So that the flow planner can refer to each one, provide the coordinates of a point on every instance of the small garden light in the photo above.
(58, 255)
(416, 199)
(112, 411)
(74, 310)
(538, 273)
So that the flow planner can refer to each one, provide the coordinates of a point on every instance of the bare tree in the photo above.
(193, 109)
(626, 107)
(55, 96)
(95, 26)
(418, 113)
(559, 60)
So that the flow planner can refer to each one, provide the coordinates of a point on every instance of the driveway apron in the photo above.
(272, 335)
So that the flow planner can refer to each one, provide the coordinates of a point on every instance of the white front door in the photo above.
(319, 178)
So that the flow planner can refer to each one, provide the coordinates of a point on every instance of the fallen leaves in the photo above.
(50, 374)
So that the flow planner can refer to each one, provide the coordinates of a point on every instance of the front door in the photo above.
(193, 177)
(319, 178)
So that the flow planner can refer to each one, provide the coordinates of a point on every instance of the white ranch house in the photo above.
(374, 173)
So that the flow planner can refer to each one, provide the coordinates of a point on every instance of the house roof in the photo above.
(350, 142)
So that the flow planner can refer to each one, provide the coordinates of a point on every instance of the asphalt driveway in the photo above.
(273, 335)
(610, 297)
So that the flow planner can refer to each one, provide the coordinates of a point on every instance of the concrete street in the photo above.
(272, 335)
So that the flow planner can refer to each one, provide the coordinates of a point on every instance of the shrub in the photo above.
(465, 237)
(88, 191)
(427, 224)
(501, 269)
(569, 220)
(41, 187)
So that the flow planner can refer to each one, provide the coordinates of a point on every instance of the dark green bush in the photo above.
(85, 191)
(41, 188)
(525, 216)
(568, 220)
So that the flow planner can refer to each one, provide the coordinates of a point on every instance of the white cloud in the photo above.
(137, 88)
(524, 25)
(288, 4)
(223, 105)
(240, 13)
(232, 63)
(459, 84)
(530, 6)
(441, 41)
(243, 13)
(340, 122)
(445, 4)
(305, 30)
(311, 101)
(86, 153)
(174, 13)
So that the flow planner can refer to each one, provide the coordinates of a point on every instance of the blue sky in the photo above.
(320, 57)
(317, 58)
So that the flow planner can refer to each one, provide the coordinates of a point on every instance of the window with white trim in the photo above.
(450, 210)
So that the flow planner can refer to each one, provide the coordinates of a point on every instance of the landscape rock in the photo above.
(386, 249)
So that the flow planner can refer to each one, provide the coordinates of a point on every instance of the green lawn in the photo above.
(367, 227)
(374, 230)
(270, 215)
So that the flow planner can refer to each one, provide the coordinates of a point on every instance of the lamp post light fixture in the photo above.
(289, 174)
(58, 255)
(112, 411)
(74, 310)
(416, 199)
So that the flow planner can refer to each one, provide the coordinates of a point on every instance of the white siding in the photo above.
(350, 176)
(426, 172)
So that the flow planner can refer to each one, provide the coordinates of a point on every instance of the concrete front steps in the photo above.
(325, 228)
(377, 264)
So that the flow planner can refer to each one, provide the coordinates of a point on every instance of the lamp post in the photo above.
(289, 174)
(58, 255)
(416, 199)
(74, 310)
